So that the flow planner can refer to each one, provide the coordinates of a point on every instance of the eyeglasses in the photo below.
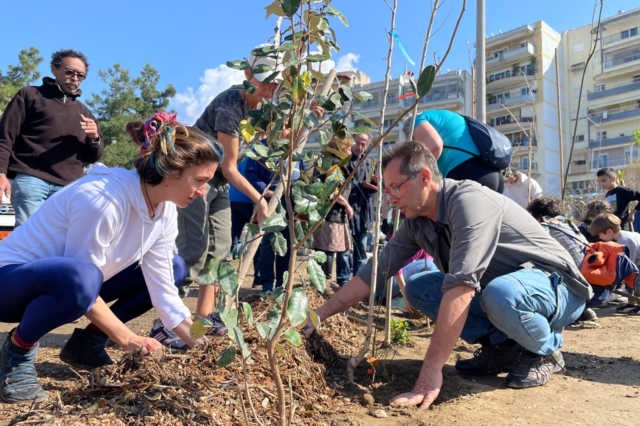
(395, 191)
(71, 73)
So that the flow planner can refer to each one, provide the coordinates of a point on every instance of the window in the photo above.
(578, 47)
(603, 160)
(599, 87)
(636, 78)
(580, 138)
(629, 33)
(524, 91)
(580, 163)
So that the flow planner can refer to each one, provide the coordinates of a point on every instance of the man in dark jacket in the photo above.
(46, 135)
(361, 200)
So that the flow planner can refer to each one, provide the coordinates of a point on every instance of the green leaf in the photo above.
(209, 274)
(335, 12)
(315, 319)
(279, 244)
(345, 160)
(230, 318)
(299, 231)
(286, 46)
(306, 204)
(197, 330)
(324, 138)
(425, 81)
(320, 256)
(285, 278)
(228, 278)
(365, 119)
(345, 93)
(248, 312)
(414, 88)
(274, 8)
(239, 338)
(290, 7)
(238, 65)
(293, 337)
(260, 149)
(298, 190)
(277, 295)
(317, 57)
(273, 325)
(261, 69)
(316, 275)
(281, 350)
(315, 189)
(363, 96)
(263, 329)
(297, 307)
(360, 130)
(274, 223)
(298, 91)
(226, 357)
(205, 321)
(246, 131)
(318, 76)
(253, 228)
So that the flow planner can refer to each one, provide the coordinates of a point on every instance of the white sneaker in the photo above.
(616, 298)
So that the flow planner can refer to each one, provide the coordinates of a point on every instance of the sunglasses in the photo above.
(71, 73)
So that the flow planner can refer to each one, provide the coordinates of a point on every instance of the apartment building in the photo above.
(522, 98)
(609, 109)
(451, 90)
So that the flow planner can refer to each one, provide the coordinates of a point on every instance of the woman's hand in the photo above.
(262, 210)
(144, 344)
(349, 212)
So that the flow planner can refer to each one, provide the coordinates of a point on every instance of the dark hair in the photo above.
(57, 57)
(594, 208)
(607, 171)
(173, 149)
(414, 157)
(603, 222)
(547, 205)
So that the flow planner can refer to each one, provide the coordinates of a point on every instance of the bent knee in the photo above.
(497, 296)
(83, 281)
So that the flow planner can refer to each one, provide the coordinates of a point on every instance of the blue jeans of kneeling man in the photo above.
(527, 306)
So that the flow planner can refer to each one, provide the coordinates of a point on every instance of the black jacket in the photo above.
(40, 135)
(361, 198)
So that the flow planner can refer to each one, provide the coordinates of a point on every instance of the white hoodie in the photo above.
(103, 218)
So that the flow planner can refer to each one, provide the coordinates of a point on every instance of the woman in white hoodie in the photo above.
(107, 237)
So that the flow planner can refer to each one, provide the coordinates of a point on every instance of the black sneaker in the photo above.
(587, 315)
(490, 359)
(85, 349)
(534, 370)
(18, 378)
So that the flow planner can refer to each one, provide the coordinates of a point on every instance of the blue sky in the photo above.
(189, 40)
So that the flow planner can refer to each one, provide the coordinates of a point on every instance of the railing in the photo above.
(496, 101)
(523, 143)
(501, 121)
(613, 38)
(595, 144)
(610, 162)
(523, 167)
(622, 60)
(528, 48)
(441, 96)
(370, 104)
(519, 74)
(616, 114)
(614, 90)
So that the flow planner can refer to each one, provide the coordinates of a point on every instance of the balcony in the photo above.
(523, 144)
(434, 98)
(614, 62)
(527, 50)
(625, 88)
(616, 38)
(610, 142)
(496, 82)
(374, 103)
(507, 124)
(616, 114)
(510, 100)
(524, 166)
(610, 162)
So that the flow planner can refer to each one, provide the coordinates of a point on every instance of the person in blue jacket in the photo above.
(446, 134)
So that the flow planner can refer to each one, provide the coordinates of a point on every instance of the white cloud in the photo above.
(191, 103)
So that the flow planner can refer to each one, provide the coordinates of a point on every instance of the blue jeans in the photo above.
(527, 306)
(28, 193)
(600, 295)
(359, 250)
(413, 268)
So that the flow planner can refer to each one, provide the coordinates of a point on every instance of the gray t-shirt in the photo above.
(632, 241)
(478, 235)
(224, 113)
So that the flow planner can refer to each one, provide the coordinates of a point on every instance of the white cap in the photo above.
(274, 63)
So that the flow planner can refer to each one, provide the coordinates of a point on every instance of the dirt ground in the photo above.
(601, 385)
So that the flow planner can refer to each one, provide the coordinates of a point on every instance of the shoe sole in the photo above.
(488, 374)
(82, 366)
(18, 401)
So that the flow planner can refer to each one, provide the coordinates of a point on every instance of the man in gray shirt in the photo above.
(503, 281)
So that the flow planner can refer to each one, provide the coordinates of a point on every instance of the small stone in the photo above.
(367, 400)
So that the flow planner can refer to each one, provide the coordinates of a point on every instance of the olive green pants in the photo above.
(204, 228)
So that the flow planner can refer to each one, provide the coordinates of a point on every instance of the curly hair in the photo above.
(173, 149)
(594, 208)
(547, 205)
(57, 57)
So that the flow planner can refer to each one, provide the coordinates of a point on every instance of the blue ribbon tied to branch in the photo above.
(404, 52)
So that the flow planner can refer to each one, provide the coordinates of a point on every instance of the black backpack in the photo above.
(494, 147)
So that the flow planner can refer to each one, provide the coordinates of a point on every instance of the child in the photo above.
(593, 209)
(618, 196)
(607, 227)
